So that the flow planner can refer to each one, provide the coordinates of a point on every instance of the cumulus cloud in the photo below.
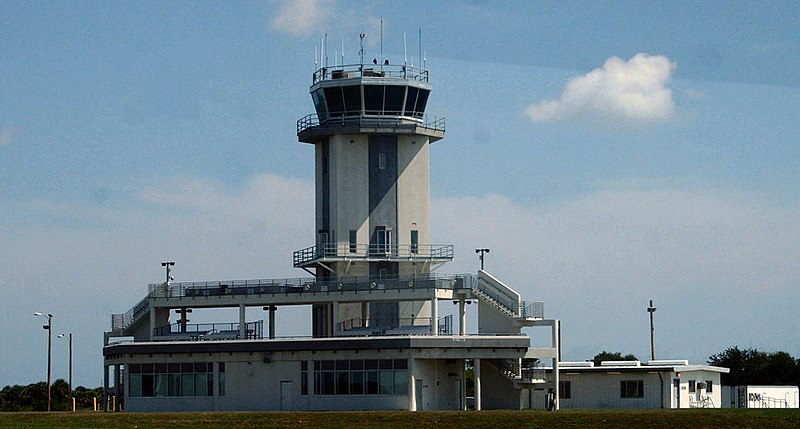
(6, 136)
(633, 91)
(301, 17)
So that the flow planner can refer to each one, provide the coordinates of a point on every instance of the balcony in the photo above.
(310, 128)
(370, 71)
(334, 252)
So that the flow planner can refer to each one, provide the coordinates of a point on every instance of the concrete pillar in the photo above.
(556, 376)
(462, 316)
(242, 322)
(105, 388)
(412, 386)
(364, 314)
(152, 322)
(117, 392)
(334, 317)
(184, 318)
(477, 372)
(434, 314)
(272, 309)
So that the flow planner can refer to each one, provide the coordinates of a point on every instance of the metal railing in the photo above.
(352, 71)
(208, 331)
(401, 326)
(372, 251)
(385, 119)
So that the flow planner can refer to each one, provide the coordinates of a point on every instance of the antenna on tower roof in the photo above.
(325, 44)
(381, 43)
(342, 50)
(361, 50)
(420, 45)
(405, 55)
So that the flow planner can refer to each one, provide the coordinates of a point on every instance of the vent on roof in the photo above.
(576, 364)
(669, 362)
(620, 363)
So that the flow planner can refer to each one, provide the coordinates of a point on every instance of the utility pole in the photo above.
(652, 310)
(481, 252)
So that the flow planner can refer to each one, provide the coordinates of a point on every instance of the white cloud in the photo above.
(6, 136)
(633, 91)
(301, 17)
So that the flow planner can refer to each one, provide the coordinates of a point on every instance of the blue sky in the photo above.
(607, 153)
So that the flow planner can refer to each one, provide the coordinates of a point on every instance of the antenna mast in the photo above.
(361, 50)
(381, 43)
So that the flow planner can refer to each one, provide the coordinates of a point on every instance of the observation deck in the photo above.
(372, 99)
(343, 252)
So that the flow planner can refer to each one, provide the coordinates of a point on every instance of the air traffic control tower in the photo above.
(371, 139)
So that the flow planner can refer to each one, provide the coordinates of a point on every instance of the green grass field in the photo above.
(432, 420)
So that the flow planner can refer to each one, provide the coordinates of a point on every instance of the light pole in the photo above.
(167, 265)
(652, 310)
(70, 368)
(481, 253)
(49, 327)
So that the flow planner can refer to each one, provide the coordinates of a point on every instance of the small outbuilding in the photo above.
(632, 385)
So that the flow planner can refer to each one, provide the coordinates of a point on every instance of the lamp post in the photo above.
(167, 265)
(481, 252)
(70, 367)
(652, 310)
(49, 328)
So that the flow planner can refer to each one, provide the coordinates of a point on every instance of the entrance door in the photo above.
(457, 388)
(676, 385)
(286, 396)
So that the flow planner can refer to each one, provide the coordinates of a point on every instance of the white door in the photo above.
(286, 396)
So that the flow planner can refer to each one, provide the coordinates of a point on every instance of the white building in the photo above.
(760, 397)
(633, 385)
(378, 340)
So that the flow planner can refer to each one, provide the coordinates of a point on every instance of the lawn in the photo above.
(737, 418)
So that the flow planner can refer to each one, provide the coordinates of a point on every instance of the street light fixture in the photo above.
(49, 328)
(70, 368)
(481, 252)
(168, 265)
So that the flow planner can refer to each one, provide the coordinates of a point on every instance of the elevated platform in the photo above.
(310, 256)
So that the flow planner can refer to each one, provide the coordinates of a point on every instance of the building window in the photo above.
(709, 386)
(221, 386)
(631, 389)
(361, 377)
(383, 239)
(382, 161)
(414, 241)
(564, 390)
(353, 243)
(304, 378)
(174, 379)
(692, 386)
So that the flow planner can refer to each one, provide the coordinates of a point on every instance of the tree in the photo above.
(604, 356)
(750, 366)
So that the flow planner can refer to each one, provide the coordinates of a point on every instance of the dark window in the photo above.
(709, 386)
(692, 386)
(382, 161)
(373, 99)
(335, 101)
(422, 100)
(319, 104)
(564, 390)
(352, 100)
(414, 241)
(631, 389)
(411, 100)
(394, 99)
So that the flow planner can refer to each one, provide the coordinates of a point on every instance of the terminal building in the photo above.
(373, 289)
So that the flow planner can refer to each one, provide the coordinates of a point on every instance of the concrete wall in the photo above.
(497, 391)
(439, 384)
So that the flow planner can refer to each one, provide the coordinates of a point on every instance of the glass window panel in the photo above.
(162, 384)
(319, 104)
(356, 364)
(386, 364)
(370, 364)
(328, 383)
(147, 368)
(342, 364)
(187, 384)
(304, 383)
(135, 385)
(174, 368)
(201, 385)
(342, 383)
(411, 100)
(135, 368)
(304, 365)
(394, 99)
(400, 364)
(328, 365)
(221, 384)
(373, 99)
(400, 381)
(161, 368)
(422, 100)
(201, 367)
(335, 101)
(187, 368)
(174, 388)
(372, 382)
(352, 99)
(147, 385)
(222, 367)
(357, 383)
(387, 382)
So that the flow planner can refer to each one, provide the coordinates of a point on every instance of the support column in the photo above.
(184, 318)
(364, 314)
(556, 376)
(117, 392)
(242, 322)
(105, 388)
(477, 385)
(272, 309)
(334, 317)
(152, 322)
(462, 316)
(412, 385)
(434, 314)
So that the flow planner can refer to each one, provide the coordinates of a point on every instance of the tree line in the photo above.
(33, 397)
